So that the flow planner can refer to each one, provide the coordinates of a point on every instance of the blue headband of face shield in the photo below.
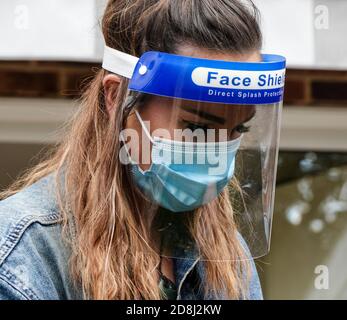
(185, 186)
(189, 78)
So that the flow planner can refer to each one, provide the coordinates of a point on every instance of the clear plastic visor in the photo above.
(236, 146)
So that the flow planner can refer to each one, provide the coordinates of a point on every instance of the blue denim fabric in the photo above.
(34, 259)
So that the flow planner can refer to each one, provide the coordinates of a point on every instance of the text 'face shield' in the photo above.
(207, 127)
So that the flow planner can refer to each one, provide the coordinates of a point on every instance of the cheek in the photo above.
(161, 122)
(161, 116)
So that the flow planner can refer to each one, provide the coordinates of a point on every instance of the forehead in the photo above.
(204, 53)
(213, 112)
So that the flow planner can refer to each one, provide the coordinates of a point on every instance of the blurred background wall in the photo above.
(50, 48)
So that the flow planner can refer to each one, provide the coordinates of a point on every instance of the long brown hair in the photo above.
(111, 256)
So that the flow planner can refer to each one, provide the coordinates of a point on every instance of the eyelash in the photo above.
(242, 128)
(193, 126)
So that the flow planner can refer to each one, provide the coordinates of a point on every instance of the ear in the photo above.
(110, 83)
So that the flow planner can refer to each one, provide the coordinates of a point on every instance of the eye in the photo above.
(193, 125)
(242, 128)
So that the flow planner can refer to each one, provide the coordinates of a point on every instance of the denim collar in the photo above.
(186, 259)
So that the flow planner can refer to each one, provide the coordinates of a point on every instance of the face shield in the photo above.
(206, 125)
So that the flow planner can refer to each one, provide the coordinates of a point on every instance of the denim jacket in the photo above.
(34, 258)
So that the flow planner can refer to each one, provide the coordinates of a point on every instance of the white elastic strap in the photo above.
(144, 127)
(119, 62)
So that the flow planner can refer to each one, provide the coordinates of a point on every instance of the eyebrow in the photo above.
(204, 114)
(213, 117)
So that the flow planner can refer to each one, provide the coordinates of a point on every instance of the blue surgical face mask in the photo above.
(185, 175)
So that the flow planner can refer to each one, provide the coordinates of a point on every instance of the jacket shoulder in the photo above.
(33, 204)
(33, 255)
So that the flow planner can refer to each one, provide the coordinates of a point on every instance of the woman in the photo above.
(77, 226)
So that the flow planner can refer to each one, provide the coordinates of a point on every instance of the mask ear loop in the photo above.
(144, 127)
(128, 105)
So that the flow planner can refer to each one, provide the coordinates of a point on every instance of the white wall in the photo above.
(50, 29)
(310, 33)
(288, 29)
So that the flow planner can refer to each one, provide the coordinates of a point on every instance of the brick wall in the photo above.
(64, 80)
(316, 87)
(44, 79)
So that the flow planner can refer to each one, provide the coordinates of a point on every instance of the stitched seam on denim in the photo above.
(13, 287)
(10, 278)
(17, 231)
